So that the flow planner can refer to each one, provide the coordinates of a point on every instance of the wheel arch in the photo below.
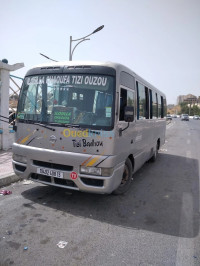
(158, 143)
(131, 158)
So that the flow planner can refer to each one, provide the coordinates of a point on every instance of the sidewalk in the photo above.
(7, 175)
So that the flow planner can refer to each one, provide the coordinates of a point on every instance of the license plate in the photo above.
(50, 172)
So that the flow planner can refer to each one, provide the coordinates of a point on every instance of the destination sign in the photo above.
(69, 79)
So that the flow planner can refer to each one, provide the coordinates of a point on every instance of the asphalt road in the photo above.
(155, 223)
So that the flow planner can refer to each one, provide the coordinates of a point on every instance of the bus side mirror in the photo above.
(128, 114)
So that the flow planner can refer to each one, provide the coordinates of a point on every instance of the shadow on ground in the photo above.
(163, 198)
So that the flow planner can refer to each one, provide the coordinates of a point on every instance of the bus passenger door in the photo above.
(125, 140)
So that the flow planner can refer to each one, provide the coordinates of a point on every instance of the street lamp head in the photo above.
(98, 29)
(80, 40)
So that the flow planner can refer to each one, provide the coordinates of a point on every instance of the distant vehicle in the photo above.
(174, 116)
(196, 117)
(168, 117)
(184, 117)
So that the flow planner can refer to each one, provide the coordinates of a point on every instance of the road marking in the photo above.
(188, 141)
(185, 248)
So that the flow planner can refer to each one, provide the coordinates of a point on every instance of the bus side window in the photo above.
(123, 103)
(150, 104)
(142, 102)
(162, 107)
(155, 105)
(159, 107)
(126, 99)
(147, 102)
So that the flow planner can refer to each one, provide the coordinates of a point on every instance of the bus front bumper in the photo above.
(62, 169)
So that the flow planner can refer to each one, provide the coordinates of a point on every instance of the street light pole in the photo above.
(80, 40)
(70, 48)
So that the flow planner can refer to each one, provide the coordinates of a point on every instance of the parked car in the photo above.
(196, 117)
(184, 117)
(168, 117)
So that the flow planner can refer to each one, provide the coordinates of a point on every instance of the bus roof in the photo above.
(117, 66)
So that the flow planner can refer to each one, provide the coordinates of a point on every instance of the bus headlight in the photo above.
(90, 170)
(96, 171)
(19, 158)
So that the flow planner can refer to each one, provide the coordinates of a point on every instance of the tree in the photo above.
(184, 108)
(196, 110)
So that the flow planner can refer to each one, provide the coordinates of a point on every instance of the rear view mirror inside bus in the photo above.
(128, 114)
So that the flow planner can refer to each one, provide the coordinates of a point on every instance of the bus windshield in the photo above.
(68, 99)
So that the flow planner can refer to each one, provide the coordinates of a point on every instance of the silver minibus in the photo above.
(86, 126)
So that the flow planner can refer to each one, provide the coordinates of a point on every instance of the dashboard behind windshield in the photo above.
(69, 99)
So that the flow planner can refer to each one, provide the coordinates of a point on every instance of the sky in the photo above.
(157, 39)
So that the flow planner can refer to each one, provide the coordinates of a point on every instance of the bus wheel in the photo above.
(126, 178)
(155, 155)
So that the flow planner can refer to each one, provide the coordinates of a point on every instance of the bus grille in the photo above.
(53, 165)
(57, 181)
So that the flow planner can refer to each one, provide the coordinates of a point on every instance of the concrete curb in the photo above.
(6, 180)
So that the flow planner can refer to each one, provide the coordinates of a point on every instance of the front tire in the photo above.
(126, 178)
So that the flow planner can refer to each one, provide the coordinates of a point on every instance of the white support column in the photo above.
(4, 108)
(4, 101)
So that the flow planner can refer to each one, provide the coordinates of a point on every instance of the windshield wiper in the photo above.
(68, 125)
(42, 125)
(71, 125)
(38, 124)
